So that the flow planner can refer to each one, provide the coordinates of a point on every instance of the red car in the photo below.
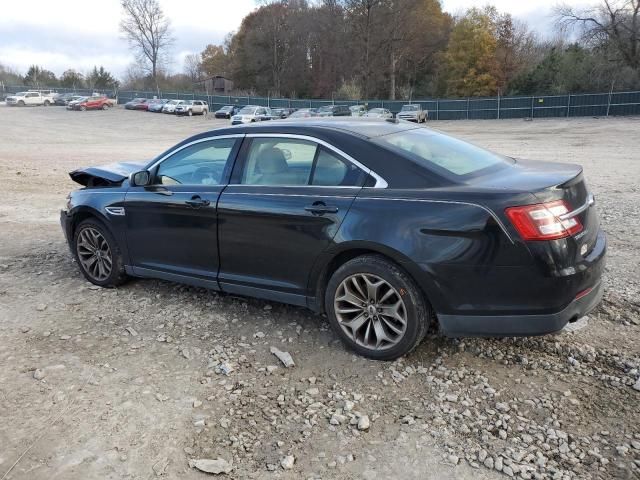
(93, 103)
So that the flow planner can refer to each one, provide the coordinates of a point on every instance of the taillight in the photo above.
(542, 221)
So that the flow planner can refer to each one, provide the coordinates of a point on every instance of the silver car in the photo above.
(192, 107)
(379, 113)
(358, 110)
(170, 106)
(251, 114)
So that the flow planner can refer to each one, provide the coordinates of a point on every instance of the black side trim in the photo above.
(282, 297)
(172, 277)
(518, 325)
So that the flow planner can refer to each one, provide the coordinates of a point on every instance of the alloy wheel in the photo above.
(94, 254)
(370, 311)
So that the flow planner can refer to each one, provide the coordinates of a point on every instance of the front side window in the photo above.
(199, 164)
(297, 162)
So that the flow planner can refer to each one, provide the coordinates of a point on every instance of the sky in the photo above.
(79, 34)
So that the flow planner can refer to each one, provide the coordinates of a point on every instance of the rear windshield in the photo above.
(434, 149)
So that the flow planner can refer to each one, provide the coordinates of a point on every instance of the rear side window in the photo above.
(444, 153)
(297, 162)
(331, 170)
(273, 161)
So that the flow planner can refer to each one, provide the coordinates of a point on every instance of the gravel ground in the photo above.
(143, 380)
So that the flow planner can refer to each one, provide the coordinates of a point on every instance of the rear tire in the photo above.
(376, 309)
(98, 254)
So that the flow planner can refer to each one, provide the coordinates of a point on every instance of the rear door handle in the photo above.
(197, 202)
(320, 208)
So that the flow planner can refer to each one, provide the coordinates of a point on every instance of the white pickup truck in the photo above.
(32, 97)
(413, 113)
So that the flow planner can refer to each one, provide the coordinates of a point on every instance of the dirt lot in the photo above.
(129, 384)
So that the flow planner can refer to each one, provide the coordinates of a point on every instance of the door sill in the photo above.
(265, 294)
(173, 277)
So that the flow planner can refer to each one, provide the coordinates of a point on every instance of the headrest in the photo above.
(272, 160)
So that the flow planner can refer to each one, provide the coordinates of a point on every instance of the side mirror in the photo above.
(140, 179)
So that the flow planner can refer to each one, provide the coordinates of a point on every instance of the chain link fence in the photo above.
(569, 105)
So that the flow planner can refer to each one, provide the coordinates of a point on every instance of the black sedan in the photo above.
(386, 227)
(227, 111)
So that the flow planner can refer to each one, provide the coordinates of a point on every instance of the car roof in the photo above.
(362, 127)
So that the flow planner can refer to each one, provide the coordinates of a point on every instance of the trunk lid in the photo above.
(566, 182)
(550, 182)
(105, 175)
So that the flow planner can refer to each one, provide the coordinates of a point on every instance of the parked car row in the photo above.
(163, 105)
(90, 103)
(70, 100)
(257, 113)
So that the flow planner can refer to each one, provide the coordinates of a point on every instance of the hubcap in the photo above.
(370, 311)
(94, 254)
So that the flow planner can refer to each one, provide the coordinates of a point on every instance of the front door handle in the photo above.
(320, 208)
(197, 202)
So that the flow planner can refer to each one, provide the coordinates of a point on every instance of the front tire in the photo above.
(47, 103)
(98, 254)
(21, 103)
(376, 308)
(190, 113)
(105, 106)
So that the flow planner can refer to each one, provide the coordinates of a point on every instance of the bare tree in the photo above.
(148, 32)
(614, 23)
(361, 12)
(193, 67)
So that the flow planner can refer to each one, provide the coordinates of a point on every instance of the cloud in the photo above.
(79, 34)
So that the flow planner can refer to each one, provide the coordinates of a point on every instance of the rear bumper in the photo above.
(519, 325)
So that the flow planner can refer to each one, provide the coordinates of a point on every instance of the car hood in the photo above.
(111, 174)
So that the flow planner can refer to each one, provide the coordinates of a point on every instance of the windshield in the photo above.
(226, 109)
(376, 110)
(328, 108)
(248, 111)
(409, 108)
(431, 148)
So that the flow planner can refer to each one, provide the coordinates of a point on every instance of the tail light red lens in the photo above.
(542, 221)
